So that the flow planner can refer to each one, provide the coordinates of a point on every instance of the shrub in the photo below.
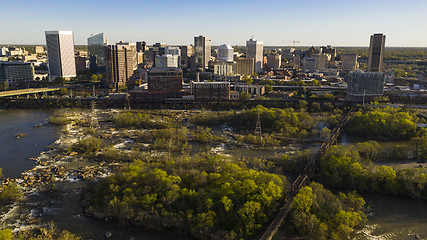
(11, 192)
(87, 145)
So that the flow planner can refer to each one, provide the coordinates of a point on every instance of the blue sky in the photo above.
(313, 23)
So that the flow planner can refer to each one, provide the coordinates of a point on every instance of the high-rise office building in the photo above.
(255, 50)
(173, 50)
(97, 45)
(244, 66)
(364, 84)
(330, 50)
(121, 62)
(376, 53)
(141, 46)
(186, 53)
(60, 54)
(202, 51)
(225, 53)
(349, 61)
(274, 61)
(164, 80)
(167, 60)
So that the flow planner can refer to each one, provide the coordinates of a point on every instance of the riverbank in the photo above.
(54, 187)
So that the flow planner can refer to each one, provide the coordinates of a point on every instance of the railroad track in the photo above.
(303, 179)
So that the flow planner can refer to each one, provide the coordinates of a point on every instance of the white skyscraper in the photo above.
(255, 50)
(60, 54)
(225, 53)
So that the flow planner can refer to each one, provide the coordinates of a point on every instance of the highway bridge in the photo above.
(28, 91)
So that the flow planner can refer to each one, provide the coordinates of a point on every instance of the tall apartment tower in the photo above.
(202, 51)
(255, 50)
(60, 54)
(376, 53)
(97, 45)
(120, 65)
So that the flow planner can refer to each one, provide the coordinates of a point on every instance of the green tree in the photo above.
(59, 81)
(6, 234)
(94, 78)
(325, 133)
(244, 96)
(63, 91)
(11, 192)
(268, 88)
(248, 80)
(304, 199)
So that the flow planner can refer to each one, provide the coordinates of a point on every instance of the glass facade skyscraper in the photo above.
(97, 46)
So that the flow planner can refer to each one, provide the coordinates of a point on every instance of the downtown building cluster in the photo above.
(199, 71)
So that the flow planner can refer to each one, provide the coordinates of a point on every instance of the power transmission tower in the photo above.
(258, 131)
(93, 118)
(127, 104)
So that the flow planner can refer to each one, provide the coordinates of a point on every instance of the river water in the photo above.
(394, 218)
(16, 151)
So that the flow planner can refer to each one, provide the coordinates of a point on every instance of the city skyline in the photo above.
(276, 23)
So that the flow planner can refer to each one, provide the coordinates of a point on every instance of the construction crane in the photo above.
(144, 71)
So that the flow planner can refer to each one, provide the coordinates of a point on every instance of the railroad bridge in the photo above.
(304, 178)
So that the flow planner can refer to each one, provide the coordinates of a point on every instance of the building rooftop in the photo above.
(14, 63)
(60, 32)
(163, 69)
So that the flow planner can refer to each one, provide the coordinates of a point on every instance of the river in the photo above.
(394, 217)
(16, 151)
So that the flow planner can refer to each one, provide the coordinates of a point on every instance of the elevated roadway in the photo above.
(28, 91)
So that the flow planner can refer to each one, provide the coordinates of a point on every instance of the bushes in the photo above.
(344, 167)
(48, 233)
(265, 140)
(11, 193)
(286, 121)
(139, 120)
(6, 234)
(87, 145)
(171, 139)
(209, 196)
(205, 135)
(60, 120)
(383, 123)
